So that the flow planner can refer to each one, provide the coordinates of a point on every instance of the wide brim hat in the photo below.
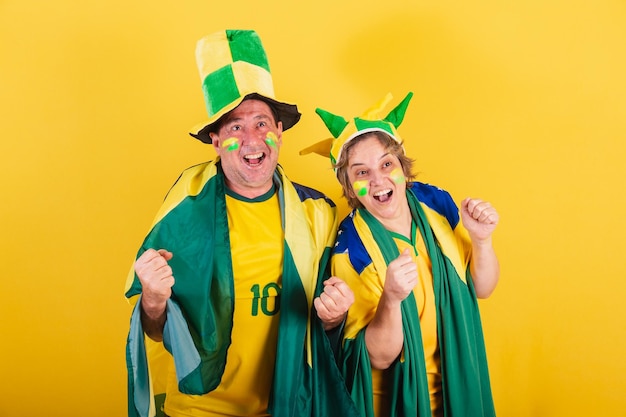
(343, 130)
(233, 67)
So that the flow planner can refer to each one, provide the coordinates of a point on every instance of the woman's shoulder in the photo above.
(350, 244)
(437, 199)
(347, 230)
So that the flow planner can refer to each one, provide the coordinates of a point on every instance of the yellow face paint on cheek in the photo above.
(231, 144)
(397, 176)
(360, 187)
(271, 139)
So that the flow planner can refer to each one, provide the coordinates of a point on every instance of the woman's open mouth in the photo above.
(383, 195)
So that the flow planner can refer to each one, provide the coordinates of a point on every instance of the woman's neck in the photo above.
(400, 224)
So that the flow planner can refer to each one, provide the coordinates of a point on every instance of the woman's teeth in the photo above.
(382, 195)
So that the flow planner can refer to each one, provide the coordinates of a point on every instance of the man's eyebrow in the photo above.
(231, 120)
(239, 118)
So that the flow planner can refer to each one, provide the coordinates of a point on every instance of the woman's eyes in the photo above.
(385, 165)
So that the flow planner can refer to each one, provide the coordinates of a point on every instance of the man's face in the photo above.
(248, 142)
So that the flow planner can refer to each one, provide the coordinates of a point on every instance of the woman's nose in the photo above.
(376, 177)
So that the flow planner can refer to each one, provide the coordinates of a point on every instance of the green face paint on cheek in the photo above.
(360, 187)
(231, 144)
(397, 176)
(271, 139)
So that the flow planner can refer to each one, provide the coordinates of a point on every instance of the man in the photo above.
(227, 277)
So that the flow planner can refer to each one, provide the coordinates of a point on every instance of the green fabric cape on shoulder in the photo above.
(192, 224)
(465, 378)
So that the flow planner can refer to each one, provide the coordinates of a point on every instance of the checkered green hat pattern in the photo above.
(233, 66)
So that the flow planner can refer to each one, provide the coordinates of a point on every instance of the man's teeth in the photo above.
(254, 156)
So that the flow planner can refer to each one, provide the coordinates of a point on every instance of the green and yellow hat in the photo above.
(344, 131)
(233, 67)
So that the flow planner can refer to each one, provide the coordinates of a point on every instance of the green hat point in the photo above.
(396, 116)
(371, 120)
(335, 124)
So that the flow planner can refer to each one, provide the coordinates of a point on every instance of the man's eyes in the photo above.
(235, 128)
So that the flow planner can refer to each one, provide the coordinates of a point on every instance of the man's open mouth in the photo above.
(254, 159)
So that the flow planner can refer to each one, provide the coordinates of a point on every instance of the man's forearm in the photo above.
(153, 323)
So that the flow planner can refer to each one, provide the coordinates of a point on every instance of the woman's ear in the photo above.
(350, 191)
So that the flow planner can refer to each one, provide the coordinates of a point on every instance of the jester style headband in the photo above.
(344, 131)
(233, 67)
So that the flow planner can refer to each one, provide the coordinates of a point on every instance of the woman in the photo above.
(413, 343)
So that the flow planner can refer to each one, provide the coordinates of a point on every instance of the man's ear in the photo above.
(279, 132)
(215, 140)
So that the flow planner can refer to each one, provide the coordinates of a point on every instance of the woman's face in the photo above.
(376, 178)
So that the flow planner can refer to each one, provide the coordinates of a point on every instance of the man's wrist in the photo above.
(153, 310)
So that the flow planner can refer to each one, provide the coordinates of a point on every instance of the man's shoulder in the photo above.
(306, 193)
(192, 180)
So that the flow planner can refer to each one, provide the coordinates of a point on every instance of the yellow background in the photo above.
(519, 102)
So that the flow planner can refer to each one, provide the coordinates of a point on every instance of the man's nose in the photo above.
(253, 136)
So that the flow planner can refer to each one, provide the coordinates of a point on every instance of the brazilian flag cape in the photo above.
(192, 224)
(465, 379)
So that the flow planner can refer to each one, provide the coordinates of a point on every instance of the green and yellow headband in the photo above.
(344, 131)
(233, 66)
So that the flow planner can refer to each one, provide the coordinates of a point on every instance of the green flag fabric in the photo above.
(192, 224)
(465, 379)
